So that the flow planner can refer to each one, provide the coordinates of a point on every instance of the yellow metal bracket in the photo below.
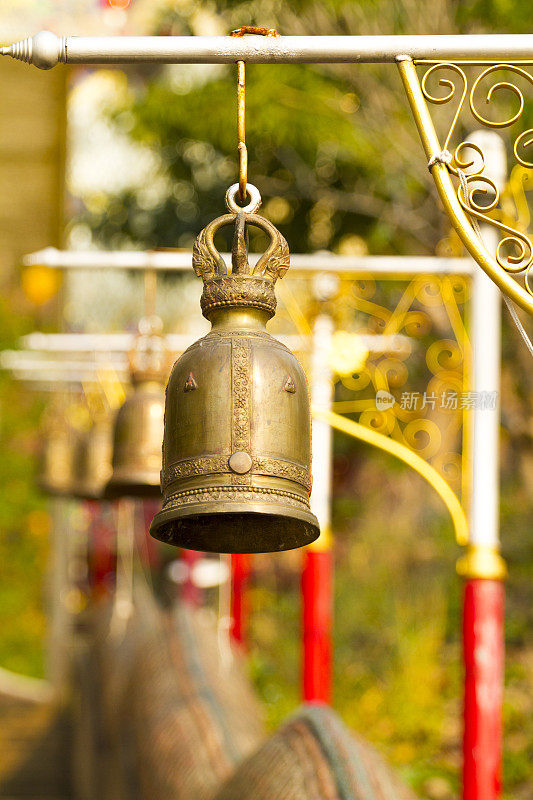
(406, 455)
(456, 205)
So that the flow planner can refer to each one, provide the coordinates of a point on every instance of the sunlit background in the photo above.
(140, 158)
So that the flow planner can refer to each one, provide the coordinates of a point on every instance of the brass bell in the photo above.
(93, 459)
(139, 422)
(236, 450)
(58, 457)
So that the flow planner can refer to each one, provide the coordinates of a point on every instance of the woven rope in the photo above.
(314, 757)
(177, 717)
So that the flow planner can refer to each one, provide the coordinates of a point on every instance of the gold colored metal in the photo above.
(138, 431)
(241, 107)
(150, 293)
(433, 422)
(58, 458)
(482, 561)
(324, 541)
(236, 451)
(241, 130)
(406, 455)
(515, 250)
(137, 443)
(253, 29)
(93, 453)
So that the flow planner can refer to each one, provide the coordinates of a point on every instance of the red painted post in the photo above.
(317, 597)
(483, 643)
(149, 547)
(102, 556)
(317, 575)
(240, 577)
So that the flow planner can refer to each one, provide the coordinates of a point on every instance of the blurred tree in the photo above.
(330, 146)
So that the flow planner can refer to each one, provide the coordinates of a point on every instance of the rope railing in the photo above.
(177, 720)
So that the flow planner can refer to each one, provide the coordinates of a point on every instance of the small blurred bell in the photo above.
(58, 458)
(139, 422)
(93, 459)
(236, 452)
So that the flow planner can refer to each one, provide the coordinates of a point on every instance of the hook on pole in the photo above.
(241, 106)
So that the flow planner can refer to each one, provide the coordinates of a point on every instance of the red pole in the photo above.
(240, 576)
(484, 571)
(149, 547)
(102, 557)
(483, 644)
(317, 597)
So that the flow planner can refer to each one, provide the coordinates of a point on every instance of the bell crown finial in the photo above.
(247, 286)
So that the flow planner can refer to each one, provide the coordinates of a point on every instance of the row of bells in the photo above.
(254, 499)
(119, 455)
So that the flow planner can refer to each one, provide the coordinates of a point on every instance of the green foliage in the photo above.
(335, 154)
(23, 521)
(396, 637)
(330, 147)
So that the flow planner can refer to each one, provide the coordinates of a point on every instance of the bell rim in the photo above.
(137, 485)
(80, 493)
(162, 519)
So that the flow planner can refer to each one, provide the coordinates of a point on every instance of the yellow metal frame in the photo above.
(397, 445)
(450, 200)
(410, 458)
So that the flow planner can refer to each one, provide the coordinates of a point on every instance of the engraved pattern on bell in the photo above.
(289, 385)
(236, 450)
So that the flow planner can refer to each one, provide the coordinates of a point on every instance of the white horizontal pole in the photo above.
(21, 361)
(117, 342)
(44, 362)
(45, 50)
(92, 343)
(181, 261)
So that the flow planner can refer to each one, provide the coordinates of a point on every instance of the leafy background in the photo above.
(336, 156)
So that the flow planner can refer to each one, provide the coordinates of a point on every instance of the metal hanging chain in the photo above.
(510, 306)
(241, 107)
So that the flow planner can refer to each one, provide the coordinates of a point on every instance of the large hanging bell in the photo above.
(236, 450)
(139, 422)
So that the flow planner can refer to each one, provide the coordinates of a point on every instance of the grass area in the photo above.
(24, 520)
(24, 536)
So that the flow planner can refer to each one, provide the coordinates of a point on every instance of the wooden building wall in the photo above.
(32, 154)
